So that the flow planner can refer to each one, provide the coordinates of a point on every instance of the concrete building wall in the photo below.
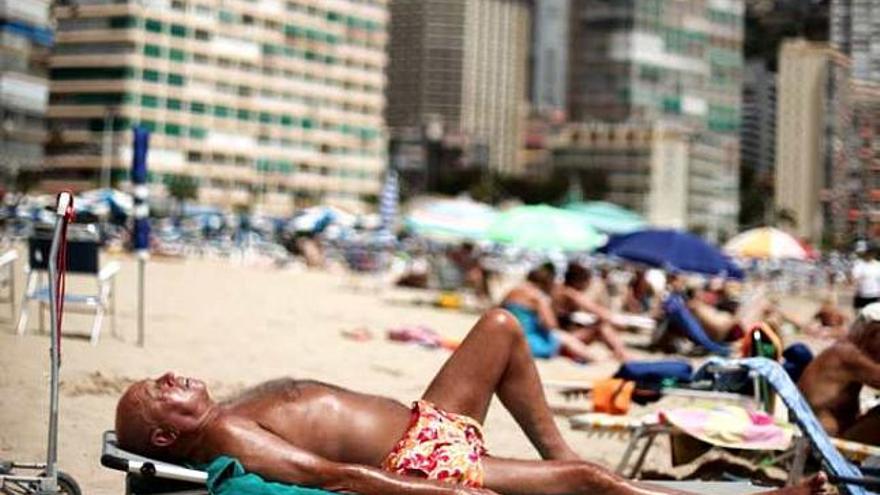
(645, 167)
(802, 146)
(261, 101)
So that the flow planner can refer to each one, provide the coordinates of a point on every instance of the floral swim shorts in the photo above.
(440, 446)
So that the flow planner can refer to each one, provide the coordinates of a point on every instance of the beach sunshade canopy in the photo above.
(451, 219)
(103, 201)
(608, 217)
(544, 227)
(317, 218)
(767, 243)
(672, 250)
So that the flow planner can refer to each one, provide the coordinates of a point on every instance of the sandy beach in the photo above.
(234, 326)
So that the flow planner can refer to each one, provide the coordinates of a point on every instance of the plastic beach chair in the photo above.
(150, 476)
(82, 260)
(7, 280)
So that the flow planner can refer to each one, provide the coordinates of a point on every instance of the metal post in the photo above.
(64, 200)
(141, 220)
(142, 267)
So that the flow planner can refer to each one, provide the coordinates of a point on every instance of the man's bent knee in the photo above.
(501, 321)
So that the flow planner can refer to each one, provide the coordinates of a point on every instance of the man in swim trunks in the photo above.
(313, 434)
(833, 381)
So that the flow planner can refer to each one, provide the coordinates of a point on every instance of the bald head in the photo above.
(159, 417)
(134, 423)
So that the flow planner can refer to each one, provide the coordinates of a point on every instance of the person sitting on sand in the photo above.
(532, 304)
(570, 301)
(833, 381)
(639, 297)
(313, 434)
(829, 321)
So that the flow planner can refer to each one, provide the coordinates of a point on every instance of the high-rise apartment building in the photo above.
(863, 202)
(261, 100)
(855, 31)
(813, 138)
(758, 128)
(757, 142)
(25, 39)
(549, 56)
(674, 60)
(462, 64)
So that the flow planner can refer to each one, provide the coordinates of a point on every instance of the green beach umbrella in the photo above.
(544, 227)
(608, 217)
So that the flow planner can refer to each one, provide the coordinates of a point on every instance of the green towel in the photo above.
(226, 476)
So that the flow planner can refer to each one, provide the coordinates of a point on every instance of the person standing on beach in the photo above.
(866, 276)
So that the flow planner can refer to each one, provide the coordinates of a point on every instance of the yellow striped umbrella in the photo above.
(766, 243)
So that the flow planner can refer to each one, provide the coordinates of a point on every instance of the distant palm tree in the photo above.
(181, 188)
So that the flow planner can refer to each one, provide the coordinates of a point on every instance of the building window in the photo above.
(198, 107)
(175, 79)
(243, 115)
(178, 30)
(197, 132)
(149, 101)
(173, 104)
(221, 111)
(153, 26)
(151, 75)
(177, 55)
(152, 50)
(173, 130)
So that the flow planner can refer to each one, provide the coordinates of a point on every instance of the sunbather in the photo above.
(314, 434)
(570, 299)
(532, 305)
(834, 379)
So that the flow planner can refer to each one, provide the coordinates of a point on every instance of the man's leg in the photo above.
(516, 477)
(866, 429)
(609, 336)
(494, 358)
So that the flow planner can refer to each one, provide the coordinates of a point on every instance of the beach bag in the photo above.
(613, 396)
(655, 374)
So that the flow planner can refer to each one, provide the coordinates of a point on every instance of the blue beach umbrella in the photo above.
(672, 250)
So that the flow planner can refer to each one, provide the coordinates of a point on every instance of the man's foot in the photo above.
(814, 485)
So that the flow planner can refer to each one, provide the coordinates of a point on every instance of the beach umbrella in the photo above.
(451, 219)
(389, 200)
(672, 250)
(767, 243)
(543, 227)
(608, 217)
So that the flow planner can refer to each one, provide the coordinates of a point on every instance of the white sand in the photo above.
(235, 326)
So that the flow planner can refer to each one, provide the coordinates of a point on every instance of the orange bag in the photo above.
(613, 395)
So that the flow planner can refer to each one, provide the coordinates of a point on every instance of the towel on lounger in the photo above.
(226, 476)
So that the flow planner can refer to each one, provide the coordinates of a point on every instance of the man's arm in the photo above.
(586, 304)
(863, 369)
(273, 458)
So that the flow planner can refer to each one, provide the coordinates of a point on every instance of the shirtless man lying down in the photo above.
(318, 435)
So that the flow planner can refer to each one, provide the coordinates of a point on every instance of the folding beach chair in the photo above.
(83, 260)
(832, 453)
(149, 476)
